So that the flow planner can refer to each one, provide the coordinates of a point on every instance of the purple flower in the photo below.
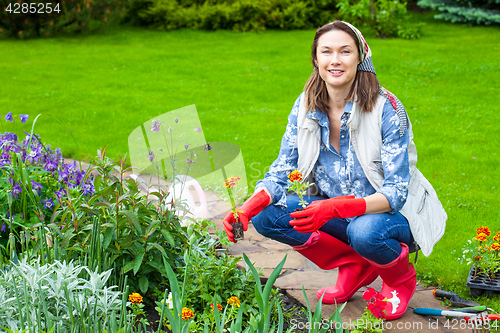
(59, 156)
(50, 165)
(5, 158)
(190, 161)
(9, 137)
(60, 193)
(156, 125)
(207, 147)
(176, 120)
(151, 156)
(36, 186)
(88, 188)
(63, 174)
(48, 204)
(8, 117)
(24, 118)
(16, 189)
(197, 129)
(4, 227)
(186, 145)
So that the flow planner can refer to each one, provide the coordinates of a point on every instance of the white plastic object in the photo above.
(183, 191)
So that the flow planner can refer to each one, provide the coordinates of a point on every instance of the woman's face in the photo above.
(337, 59)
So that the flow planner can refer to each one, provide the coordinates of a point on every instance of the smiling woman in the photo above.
(354, 140)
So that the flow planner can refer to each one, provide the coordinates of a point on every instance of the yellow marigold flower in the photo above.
(483, 230)
(481, 237)
(135, 298)
(187, 313)
(495, 246)
(232, 182)
(234, 301)
(497, 237)
(219, 307)
(295, 175)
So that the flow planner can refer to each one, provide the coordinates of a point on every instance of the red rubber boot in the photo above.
(399, 283)
(328, 253)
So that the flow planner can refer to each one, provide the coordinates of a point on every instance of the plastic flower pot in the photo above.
(480, 283)
(238, 230)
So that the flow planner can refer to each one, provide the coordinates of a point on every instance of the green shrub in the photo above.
(237, 15)
(73, 16)
(478, 12)
(386, 18)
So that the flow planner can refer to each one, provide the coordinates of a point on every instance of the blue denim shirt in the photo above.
(339, 173)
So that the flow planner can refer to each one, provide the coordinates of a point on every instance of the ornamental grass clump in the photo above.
(38, 298)
(483, 252)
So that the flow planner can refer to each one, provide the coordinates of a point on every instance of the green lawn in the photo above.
(102, 87)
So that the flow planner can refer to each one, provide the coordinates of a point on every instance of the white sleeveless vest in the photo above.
(423, 210)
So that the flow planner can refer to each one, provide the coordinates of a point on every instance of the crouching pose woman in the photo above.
(354, 139)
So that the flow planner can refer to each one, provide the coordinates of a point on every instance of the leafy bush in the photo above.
(485, 12)
(40, 20)
(96, 218)
(238, 15)
(387, 18)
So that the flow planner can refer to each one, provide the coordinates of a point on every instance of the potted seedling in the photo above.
(297, 185)
(231, 184)
(484, 256)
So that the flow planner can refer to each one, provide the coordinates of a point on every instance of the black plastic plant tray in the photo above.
(481, 281)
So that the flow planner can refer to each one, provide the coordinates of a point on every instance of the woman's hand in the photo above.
(319, 212)
(253, 206)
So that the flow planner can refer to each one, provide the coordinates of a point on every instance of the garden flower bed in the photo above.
(86, 251)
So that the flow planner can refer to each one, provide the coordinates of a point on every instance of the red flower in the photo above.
(219, 307)
(497, 237)
(376, 302)
(481, 237)
(232, 182)
(376, 311)
(295, 175)
(483, 230)
(369, 294)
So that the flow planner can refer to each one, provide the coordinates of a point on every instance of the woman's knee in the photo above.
(263, 222)
(361, 239)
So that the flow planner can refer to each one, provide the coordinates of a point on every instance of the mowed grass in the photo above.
(102, 87)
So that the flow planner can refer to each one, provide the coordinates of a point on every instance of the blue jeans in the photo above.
(376, 237)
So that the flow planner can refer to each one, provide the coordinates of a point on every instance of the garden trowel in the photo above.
(455, 300)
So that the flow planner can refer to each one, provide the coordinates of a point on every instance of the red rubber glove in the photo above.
(319, 212)
(253, 206)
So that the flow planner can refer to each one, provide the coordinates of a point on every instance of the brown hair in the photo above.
(365, 87)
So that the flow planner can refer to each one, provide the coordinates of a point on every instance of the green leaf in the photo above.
(108, 235)
(138, 262)
(168, 236)
(143, 284)
(158, 267)
(128, 267)
(135, 221)
(104, 192)
(159, 248)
